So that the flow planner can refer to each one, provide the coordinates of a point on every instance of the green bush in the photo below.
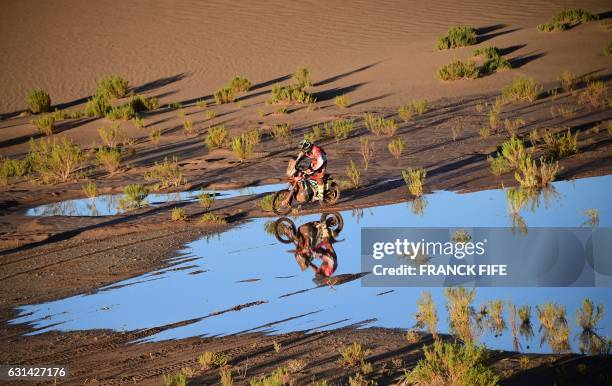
(167, 173)
(225, 95)
(342, 101)
(378, 125)
(240, 84)
(290, 94)
(123, 112)
(342, 128)
(453, 364)
(109, 158)
(354, 174)
(55, 160)
(415, 179)
(493, 60)
(113, 86)
(140, 103)
(206, 200)
(281, 131)
(90, 189)
(44, 124)
(215, 137)
(566, 19)
(266, 202)
(242, 147)
(457, 37)
(405, 113)
(557, 146)
(210, 218)
(587, 318)
(460, 311)
(210, 359)
(553, 326)
(10, 168)
(279, 377)
(39, 101)
(396, 147)
(97, 106)
(112, 136)
(522, 89)
(353, 355)
(458, 69)
(301, 77)
(134, 196)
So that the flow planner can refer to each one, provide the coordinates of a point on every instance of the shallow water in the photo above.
(108, 204)
(248, 266)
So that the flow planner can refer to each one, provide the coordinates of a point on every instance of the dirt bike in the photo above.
(330, 224)
(302, 190)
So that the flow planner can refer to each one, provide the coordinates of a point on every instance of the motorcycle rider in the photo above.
(318, 164)
(316, 242)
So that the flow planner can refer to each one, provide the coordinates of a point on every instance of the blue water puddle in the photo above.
(247, 266)
(108, 204)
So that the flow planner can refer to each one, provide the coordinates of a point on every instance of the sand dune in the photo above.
(64, 46)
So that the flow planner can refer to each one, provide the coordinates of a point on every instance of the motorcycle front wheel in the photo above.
(284, 230)
(277, 203)
(332, 194)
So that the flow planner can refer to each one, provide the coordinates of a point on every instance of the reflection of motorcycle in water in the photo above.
(313, 240)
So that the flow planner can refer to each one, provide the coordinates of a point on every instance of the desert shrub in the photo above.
(39, 101)
(415, 179)
(112, 136)
(281, 131)
(97, 106)
(497, 324)
(44, 124)
(553, 326)
(301, 77)
(323, 131)
(530, 177)
(412, 336)
(210, 114)
(167, 173)
(10, 168)
(113, 86)
(559, 145)
(396, 147)
(499, 165)
(134, 196)
(367, 151)
(210, 218)
(201, 103)
(342, 128)
(253, 135)
(405, 113)
(139, 122)
(177, 379)
(460, 36)
(566, 19)
(55, 160)
(419, 106)
(484, 132)
(567, 80)
(608, 49)
(242, 147)
(225, 95)
(225, 376)
(587, 318)
(178, 214)
(354, 174)
(90, 189)
(461, 236)
(460, 311)
(353, 355)
(187, 126)
(206, 200)
(290, 94)
(266, 202)
(109, 158)
(140, 103)
(456, 132)
(279, 377)
(493, 60)
(240, 84)
(281, 110)
(427, 315)
(594, 94)
(378, 125)
(342, 101)
(458, 69)
(522, 89)
(215, 137)
(453, 364)
(526, 327)
(210, 359)
(512, 125)
(123, 112)
(155, 136)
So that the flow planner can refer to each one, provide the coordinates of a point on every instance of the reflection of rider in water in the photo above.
(310, 247)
